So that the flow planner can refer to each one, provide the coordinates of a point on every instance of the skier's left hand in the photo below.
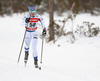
(44, 32)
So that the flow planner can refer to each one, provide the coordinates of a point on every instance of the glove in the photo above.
(27, 20)
(44, 32)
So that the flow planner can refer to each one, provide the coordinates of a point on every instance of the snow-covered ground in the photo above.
(62, 61)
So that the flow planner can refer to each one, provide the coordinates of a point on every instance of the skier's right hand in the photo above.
(27, 20)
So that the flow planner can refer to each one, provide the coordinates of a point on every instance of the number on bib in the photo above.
(32, 24)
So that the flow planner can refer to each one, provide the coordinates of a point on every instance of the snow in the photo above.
(62, 61)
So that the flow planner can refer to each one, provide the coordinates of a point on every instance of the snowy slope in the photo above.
(68, 62)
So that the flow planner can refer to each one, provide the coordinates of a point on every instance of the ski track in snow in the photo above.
(69, 62)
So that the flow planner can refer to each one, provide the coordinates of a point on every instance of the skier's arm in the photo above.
(43, 26)
(25, 20)
(22, 23)
(42, 22)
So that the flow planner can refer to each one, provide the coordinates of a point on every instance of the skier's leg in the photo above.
(34, 47)
(27, 44)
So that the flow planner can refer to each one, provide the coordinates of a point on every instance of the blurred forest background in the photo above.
(18, 6)
(9, 7)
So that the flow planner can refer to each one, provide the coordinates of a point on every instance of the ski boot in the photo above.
(36, 63)
(26, 58)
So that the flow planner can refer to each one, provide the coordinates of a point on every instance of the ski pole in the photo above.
(21, 47)
(42, 49)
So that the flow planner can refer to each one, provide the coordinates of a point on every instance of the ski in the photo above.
(25, 63)
(38, 67)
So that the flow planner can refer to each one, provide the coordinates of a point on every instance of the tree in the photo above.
(0, 9)
(51, 21)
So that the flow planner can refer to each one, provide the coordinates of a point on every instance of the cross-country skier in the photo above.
(30, 21)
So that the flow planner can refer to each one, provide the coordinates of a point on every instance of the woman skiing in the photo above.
(30, 21)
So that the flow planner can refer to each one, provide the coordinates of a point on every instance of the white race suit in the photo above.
(31, 32)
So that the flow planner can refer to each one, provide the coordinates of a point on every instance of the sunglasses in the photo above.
(32, 11)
